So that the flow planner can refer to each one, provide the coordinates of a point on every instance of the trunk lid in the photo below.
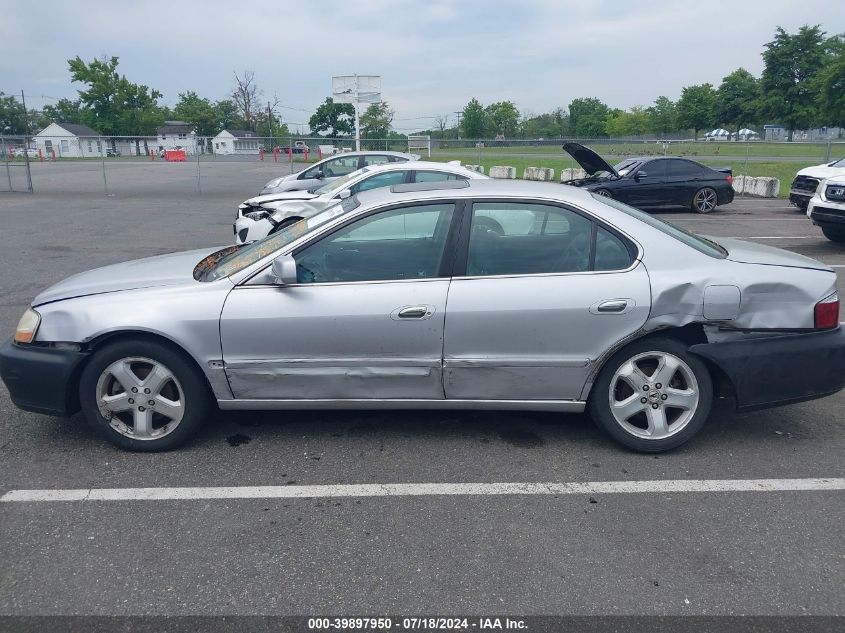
(751, 253)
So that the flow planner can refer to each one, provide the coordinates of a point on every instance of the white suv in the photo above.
(827, 208)
(807, 181)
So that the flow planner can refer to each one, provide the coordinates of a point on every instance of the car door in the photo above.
(544, 293)
(384, 179)
(364, 320)
(647, 186)
(330, 169)
(683, 178)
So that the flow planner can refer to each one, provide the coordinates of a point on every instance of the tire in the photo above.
(616, 406)
(834, 235)
(179, 394)
(705, 200)
(604, 193)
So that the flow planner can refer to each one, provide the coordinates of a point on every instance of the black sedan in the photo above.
(654, 182)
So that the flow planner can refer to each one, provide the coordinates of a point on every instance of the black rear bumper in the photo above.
(776, 370)
(41, 379)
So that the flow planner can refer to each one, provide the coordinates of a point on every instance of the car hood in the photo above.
(162, 270)
(590, 162)
(752, 253)
(822, 171)
(259, 201)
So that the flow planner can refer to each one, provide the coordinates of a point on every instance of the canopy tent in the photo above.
(718, 133)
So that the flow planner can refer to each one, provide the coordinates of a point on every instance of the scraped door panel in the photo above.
(328, 341)
(535, 337)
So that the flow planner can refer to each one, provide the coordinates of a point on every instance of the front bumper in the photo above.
(41, 379)
(777, 370)
(800, 198)
(827, 212)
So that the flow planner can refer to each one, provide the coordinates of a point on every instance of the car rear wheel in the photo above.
(704, 200)
(652, 395)
(143, 396)
(834, 235)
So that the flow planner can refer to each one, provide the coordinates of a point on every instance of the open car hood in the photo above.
(590, 162)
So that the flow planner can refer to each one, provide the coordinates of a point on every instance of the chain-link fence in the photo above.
(55, 160)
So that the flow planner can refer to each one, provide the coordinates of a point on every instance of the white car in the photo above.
(827, 208)
(333, 167)
(807, 181)
(260, 216)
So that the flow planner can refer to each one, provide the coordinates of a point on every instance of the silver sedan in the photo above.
(328, 169)
(475, 294)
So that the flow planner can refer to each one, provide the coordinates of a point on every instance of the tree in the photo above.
(737, 100)
(664, 116)
(114, 105)
(376, 120)
(66, 111)
(634, 123)
(226, 113)
(473, 119)
(588, 117)
(831, 84)
(200, 113)
(333, 119)
(13, 117)
(246, 96)
(502, 118)
(696, 108)
(441, 122)
(789, 87)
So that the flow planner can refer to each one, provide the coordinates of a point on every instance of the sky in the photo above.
(433, 55)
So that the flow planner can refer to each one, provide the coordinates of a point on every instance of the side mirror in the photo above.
(640, 174)
(283, 269)
(320, 174)
(343, 195)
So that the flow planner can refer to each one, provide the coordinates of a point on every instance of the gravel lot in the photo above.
(705, 553)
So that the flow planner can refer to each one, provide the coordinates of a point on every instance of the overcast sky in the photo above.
(433, 55)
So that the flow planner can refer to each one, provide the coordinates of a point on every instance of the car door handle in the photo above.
(614, 305)
(414, 312)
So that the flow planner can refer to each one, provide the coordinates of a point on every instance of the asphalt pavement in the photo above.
(770, 550)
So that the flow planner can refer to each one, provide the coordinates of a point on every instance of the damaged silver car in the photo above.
(477, 294)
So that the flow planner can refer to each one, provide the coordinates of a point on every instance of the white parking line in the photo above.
(418, 490)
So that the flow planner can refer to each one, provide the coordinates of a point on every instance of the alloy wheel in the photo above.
(141, 398)
(653, 395)
(705, 200)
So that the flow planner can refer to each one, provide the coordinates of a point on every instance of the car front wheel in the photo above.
(143, 396)
(652, 395)
(834, 235)
(704, 200)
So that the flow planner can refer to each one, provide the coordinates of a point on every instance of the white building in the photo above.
(176, 135)
(70, 140)
(237, 142)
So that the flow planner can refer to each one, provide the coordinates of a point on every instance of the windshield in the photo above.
(625, 166)
(339, 184)
(701, 244)
(839, 163)
(247, 255)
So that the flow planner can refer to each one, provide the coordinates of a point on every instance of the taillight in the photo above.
(730, 179)
(827, 313)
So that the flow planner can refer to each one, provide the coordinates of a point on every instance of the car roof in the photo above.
(371, 153)
(424, 165)
(486, 187)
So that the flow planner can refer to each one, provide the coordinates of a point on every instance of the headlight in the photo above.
(256, 215)
(27, 326)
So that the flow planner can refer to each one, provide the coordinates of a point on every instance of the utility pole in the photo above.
(459, 114)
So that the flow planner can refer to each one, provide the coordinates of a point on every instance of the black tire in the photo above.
(599, 406)
(195, 394)
(705, 200)
(834, 235)
(604, 193)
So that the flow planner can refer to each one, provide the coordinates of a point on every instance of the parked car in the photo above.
(31, 153)
(112, 152)
(807, 180)
(333, 167)
(827, 208)
(654, 182)
(558, 300)
(260, 216)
